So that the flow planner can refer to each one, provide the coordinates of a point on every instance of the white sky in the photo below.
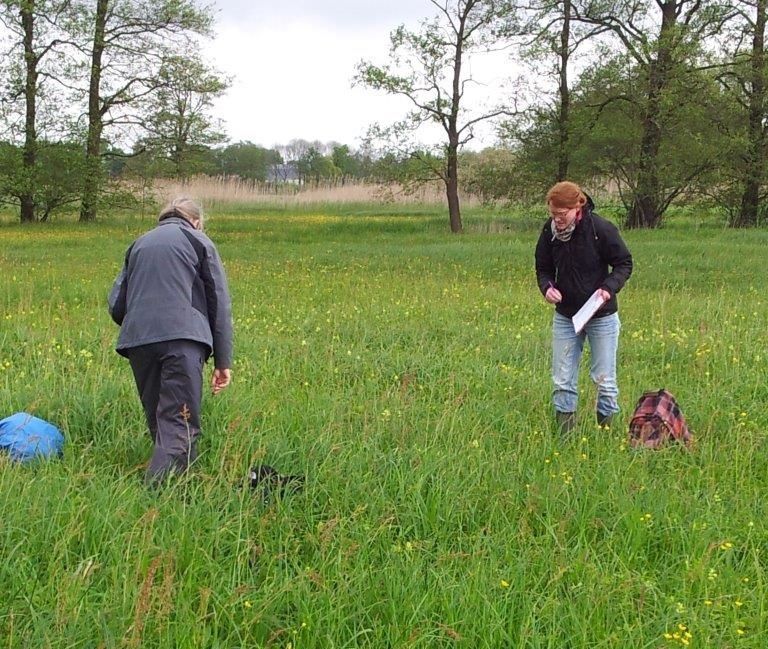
(292, 63)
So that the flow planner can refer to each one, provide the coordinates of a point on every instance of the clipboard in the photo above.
(585, 313)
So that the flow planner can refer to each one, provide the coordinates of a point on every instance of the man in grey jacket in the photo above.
(172, 303)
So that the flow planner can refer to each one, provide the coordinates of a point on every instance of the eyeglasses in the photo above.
(562, 212)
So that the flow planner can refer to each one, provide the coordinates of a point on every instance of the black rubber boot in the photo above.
(604, 421)
(566, 422)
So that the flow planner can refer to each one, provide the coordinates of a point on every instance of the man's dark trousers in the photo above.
(169, 377)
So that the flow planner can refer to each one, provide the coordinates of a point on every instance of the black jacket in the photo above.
(578, 267)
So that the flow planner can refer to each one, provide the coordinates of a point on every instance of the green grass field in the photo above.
(405, 372)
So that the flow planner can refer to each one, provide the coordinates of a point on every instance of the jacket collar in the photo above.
(175, 218)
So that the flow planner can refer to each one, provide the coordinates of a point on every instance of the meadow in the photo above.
(405, 372)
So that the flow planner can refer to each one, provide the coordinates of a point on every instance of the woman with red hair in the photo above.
(578, 253)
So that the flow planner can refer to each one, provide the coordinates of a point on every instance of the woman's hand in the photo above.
(604, 294)
(220, 380)
(553, 296)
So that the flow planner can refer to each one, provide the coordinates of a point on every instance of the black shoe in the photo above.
(566, 422)
(604, 421)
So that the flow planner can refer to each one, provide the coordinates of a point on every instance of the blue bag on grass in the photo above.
(25, 438)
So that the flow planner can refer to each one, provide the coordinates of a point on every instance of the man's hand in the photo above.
(220, 380)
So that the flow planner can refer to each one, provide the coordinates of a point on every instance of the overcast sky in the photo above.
(292, 62)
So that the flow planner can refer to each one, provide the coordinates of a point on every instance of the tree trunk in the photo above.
(29, 155)
(452, 130)
(452, 189)
(755, 166)
(92, 180)
(647, 205)
(563, 153)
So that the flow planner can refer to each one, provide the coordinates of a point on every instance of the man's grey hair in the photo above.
(186, 208)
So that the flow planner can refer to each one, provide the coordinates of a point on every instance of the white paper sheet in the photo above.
(584, 314)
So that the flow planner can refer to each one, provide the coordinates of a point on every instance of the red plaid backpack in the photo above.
(657, 420)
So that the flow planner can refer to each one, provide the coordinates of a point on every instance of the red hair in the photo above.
(566, 195)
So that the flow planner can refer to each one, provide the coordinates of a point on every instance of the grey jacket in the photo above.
(172, 287)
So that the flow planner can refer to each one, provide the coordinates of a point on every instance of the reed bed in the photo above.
(223, 192)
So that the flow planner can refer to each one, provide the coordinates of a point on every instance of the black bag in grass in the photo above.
(265, 480)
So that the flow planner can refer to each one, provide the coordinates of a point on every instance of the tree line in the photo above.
(299, 161)
(81, 75)
(665, 100)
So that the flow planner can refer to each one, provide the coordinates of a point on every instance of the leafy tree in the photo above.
(304, 157)
(180, 128)
(130, 42)
(58, 175)
(246, 160)
(550, 39)
(703, 131)
(427, 68)
(115, 160)
(298, 148)
(662, 61)
(607, 133)
(315, 166)
(144, 165)
(38, 33)
(745, 80)
(407, 169)
(758, 119)
(348, 164)
(496, 174)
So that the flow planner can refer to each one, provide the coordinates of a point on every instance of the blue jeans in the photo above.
(603, 335)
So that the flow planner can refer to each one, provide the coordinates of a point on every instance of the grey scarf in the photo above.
(565, 233)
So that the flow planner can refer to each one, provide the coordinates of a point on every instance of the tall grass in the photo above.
(223, 192)
(404, 371)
